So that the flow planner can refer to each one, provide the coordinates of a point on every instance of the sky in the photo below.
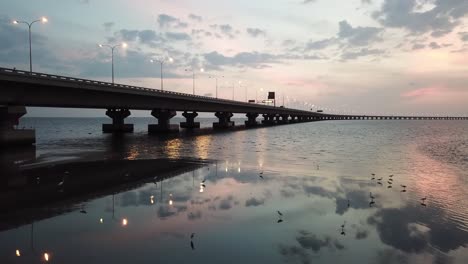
(341, 56)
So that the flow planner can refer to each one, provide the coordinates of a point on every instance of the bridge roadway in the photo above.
(19, 89)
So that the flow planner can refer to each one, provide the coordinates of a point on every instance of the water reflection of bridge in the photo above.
(30, 195)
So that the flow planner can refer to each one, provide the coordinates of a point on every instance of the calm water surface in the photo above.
(317, 175)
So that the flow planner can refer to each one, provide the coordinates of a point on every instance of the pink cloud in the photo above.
(422, 92)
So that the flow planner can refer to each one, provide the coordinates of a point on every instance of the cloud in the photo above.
(463, 36)
(249, 59)
(418, 46)
(147, 37)
(321, 44)
(440, 20)
(352, 55)
(195, 17)
(256, 32)
(225, 29)
(421, 92)
(434, 45)
(167, 21)
(358, 36)
(308, 1)
(366, 2)
(178, 36)
(254, 202)
(108, 26)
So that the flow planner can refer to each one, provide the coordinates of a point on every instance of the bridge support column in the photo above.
(268, 119)
(224, 120)
(277, 119)
(284, 119)
(163, 126)
(190, 120)
(251, 122)
(118, 125)
(9, 135)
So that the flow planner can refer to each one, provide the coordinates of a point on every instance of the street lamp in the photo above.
(123, 45)
(162, 61)
(193, 76)
(216, 78)
(16, 22)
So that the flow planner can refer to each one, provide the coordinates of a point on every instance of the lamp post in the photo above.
(161, 62)
(43, 20)
(123, 45)
(216, 78)
(193, 76)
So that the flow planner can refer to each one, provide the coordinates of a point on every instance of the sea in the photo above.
(355, 191)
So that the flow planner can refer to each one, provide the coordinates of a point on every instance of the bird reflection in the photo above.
(191, 241)
(343, 233)
(280, 215)
(349, 203)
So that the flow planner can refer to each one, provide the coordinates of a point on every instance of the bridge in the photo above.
(19, 89)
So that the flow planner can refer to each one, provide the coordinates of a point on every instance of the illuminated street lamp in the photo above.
(161, 62)
(123, 45)
(193, 76)
(16, 22)
(216, 78)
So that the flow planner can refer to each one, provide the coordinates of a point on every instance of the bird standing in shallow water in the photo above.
(279, 213)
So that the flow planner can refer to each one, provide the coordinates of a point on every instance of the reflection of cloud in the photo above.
(398, 228)
(313, 242)
(287, 193)
(254, 202)
(292, 252)
(128, 199)
(308, 241)
(194, 216)
(391, 256)
(317, 190)
(358, 200)
(361, 234)
(164, 211)
(226, 204)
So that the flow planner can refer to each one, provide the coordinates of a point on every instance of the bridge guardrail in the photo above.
(155, 90)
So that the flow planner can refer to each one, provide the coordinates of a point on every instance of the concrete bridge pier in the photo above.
(118, 125)
(285, 119)
(251, 120)
(163, 126)
(9, 134)
(190, 120)
(224, 120)
(268, 119)
(278, 119)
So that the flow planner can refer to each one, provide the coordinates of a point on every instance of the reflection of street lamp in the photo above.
(123, 45)
(43, 20)
(34, 253)
(161, 62)
(216, 78)
(193, 77)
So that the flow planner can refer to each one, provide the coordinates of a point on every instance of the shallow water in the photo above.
(310, 171)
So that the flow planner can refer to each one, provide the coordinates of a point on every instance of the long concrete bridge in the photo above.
(19, 89)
